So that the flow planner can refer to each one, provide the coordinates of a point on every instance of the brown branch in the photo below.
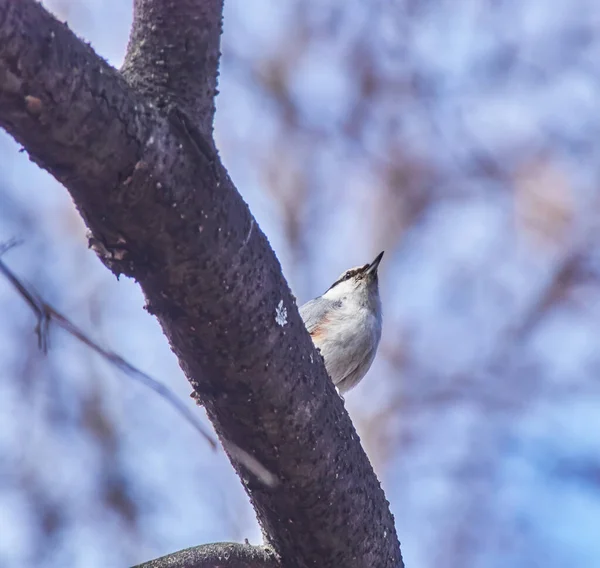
(163, 210)
(218, 555)
(173, 55)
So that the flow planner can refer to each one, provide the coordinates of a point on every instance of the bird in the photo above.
(345, 324)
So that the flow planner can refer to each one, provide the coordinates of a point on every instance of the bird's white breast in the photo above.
(350, 341)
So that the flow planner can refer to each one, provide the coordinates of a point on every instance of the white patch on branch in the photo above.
(249, 233)
(280, 314)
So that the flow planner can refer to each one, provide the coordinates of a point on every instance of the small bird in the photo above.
(345, 324)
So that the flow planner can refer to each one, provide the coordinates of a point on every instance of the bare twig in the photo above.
(45, 314)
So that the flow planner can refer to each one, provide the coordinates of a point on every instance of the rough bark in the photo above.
(217, 555)
(139, 163)
(173, 55)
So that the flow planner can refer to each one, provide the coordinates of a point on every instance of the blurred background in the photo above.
(464, 139)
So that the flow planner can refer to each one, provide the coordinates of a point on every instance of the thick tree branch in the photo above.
(217, 555)
(163, 210)
(173, 55)
(55, 92)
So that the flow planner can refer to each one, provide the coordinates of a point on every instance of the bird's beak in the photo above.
(372, 268)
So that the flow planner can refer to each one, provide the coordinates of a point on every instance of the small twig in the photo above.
(45, 314)
(34, 301)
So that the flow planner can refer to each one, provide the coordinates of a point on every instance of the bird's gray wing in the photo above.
(314, 311)
(355, 373)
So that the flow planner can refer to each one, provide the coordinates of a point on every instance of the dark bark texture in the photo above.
(217, 555)
(135, 151)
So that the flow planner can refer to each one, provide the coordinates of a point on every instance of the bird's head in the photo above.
(361, 281)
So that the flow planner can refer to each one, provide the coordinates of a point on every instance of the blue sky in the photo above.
(482, 467)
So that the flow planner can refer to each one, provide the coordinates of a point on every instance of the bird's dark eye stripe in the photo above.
(353, 272)
(336, 283)
(349, 274)
(345, 277)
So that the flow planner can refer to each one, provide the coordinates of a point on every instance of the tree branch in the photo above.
(217, 555)
(55, 92)
(163, 210)
(173, 55)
